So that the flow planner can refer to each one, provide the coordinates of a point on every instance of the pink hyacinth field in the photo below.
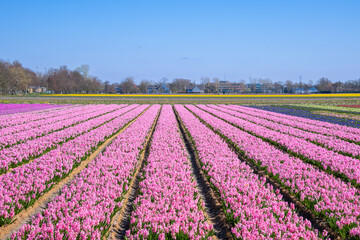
(183, 171)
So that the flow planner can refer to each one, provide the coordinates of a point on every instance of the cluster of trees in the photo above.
(325, 85)
(180, 85)
(63, 80)
(14, 79)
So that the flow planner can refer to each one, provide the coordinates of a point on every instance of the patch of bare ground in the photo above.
(24, 216)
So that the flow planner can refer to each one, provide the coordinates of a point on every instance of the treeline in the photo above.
(16, 79)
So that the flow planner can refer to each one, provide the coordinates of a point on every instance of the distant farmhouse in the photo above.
(303, 90)
(33, 89)
(225, 87)
(313, 90)
(118, 90)
(159, 88)
(195, 89)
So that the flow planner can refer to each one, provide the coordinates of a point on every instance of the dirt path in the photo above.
(121, 221)
(25, 215)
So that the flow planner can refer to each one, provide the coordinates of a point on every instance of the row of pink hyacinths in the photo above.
(58, 115)
(269, 121)
(21, 152)
(330, 197)
(20, 118)
(84, 208)
(26, 183)
(20, 108)
(257, 210)
(8, 106)
(18, 134)
(339, 163)
(325, 128)
(169, 203)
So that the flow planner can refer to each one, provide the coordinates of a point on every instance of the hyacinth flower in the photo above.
(335, 139)
(85, 207)
(18, 154)
(24, 184)
(20, 108)
(16, 135)
(346, 133)
(327, 196)
(28, 117)
(255, 210)
(58, 116)
(169, 205)
(345, 166)
(309, 115)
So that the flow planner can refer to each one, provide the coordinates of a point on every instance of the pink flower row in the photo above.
(269, 121)
(256, 210)
(21, 118)
(339, 163)
(62, 114)
(13, 136)
(21, 152)
(21, 186)
(330, 129)
(327, 196)
(169, 203)
(84, 208)
(26, 108)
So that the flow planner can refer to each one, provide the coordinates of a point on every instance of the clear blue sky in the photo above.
(186, 39)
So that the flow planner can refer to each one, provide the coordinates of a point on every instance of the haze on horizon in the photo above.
(234, 40)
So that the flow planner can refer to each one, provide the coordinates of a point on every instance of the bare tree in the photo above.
(128, 85)
(289, 86)
(180, 85)
(324, 85)
(5, 77)
(144, 86)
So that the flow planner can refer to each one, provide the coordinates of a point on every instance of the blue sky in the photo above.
(234, 40)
